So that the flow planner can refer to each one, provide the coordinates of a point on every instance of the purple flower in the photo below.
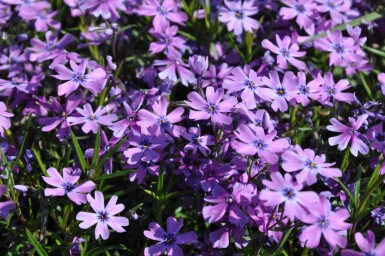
(61, 116)
(174, 64)
(52, 48)
(163, 12)
(381, 79)
(308, 164)
(147, 145)
(215, 75)
(284, 91)
(330, 90)
(197, 141)
(366, 245)
(213, 108)
(66, 185)
(198, 64)
(338, 46)
(285, 190)
(103, 216)
(210, 174)
(324, 222)
(168, 241)
(286, 53)
(376, 135)
(7, 206)
(231, 203)
(141, 168)
(304, 10)
(43, 19)
(168, 41)
(349, 133)
(92, 119)
(12, 60)
(339, 10)
(106, 9)
(164, 121)
(253, 140)
(5, 122)
(92, 81)
(236, 16)
(251, 85)
(121, 127)
(307, 90)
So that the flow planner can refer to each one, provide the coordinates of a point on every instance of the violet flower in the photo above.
(168, 241)
(366, 245)
(330, 89)
(213, 108)
(284, 91)
(43, 19)
(307, 91)
(215, 75)
(61, 116)
(104, 216)
(197, 141)
(251, 85)
(236, 16)
(164, 11)
(165, 122)
(92, 81)
(7, 206)
(309, 164)
(92, 120)
(121, 127)
(324, 222)
(5, 122)
(253, 140)
(286, 53)
(168, 41)
(349, 133)
(304, 10)
(282, 189)
(198, 64)
(65, 185)
(105, 9)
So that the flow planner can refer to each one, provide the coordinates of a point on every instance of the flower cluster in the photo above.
(242, 126)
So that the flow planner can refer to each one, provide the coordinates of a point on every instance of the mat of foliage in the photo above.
(202, 127)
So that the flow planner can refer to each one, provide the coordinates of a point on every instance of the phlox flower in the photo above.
(339, 10)
(236, 16)
(210, 174)
(106, 9)
(122, 126)
(164, 12)
(260, 118)
(307, 91)
(198, 64)
(251, 86)
(5, 122)
(304, 10)
(309, 164)
(43, 19)
(160, 118)
(338, 46)
(349, 133)
(61, 116)
(376, 135)
(145, 145)
(213, 107)
(65, 185)
(92, 120)
(324, 222)
(230, 203)
(284, 91)
(197, 141)
(168, 241)
(92, 81)
(381, 79)
(366, 245)
(286, 53)
(12, 60)
(282, 189)
(220, 238)
(168, 41)
(141, 168)
(7, 206)
(253, 140)
(329, 89)
(215, 75)
(103, 217)
(174, 64)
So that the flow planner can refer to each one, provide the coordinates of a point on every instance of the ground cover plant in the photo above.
(202, 127)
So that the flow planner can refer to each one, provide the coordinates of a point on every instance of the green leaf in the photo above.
(368, 17)
(109, 154)
(79, 152)
(95, 156)
(113, 175)
(366, 86)
(376, 172)
(283, 241)
(36, 245)
(375, 51)
(345, 161)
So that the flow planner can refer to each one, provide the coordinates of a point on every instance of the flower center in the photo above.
(103, 216)
(239, 14)
(289, 193)
(64, 115)
(323, 222)
(285, 52)
(300, 8)
(281, 91)
(68, 187)
(338, 48)
(169, 239)
(211, 108)
(304, 89)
